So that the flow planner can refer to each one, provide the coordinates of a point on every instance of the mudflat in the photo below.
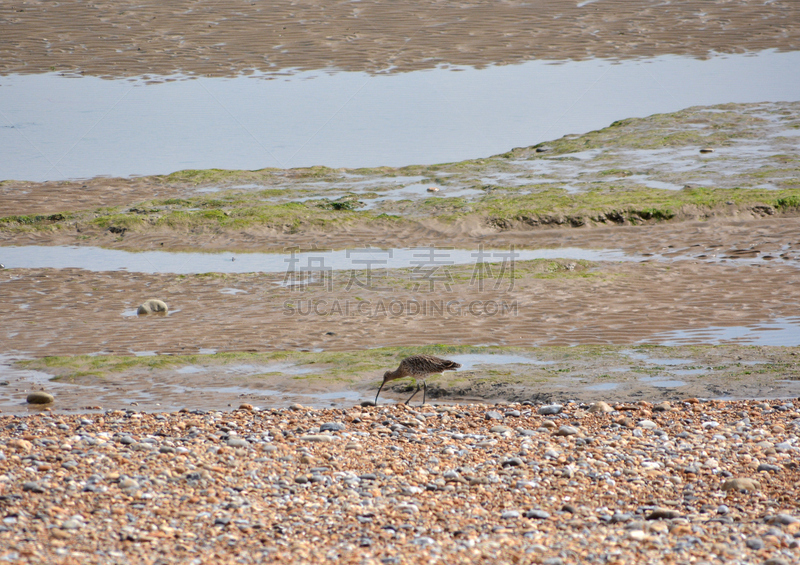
(224, 38)
(713, 258)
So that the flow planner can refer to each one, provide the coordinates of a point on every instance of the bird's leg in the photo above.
(415, 392)
(379, 391)
(424, 390)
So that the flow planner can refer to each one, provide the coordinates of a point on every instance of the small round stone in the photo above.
(238, 442)
(152, 306)
(40, 397)
(332, 427)
(741, 484)
(600, 407)
(549, 410)
(754, 543)
(567, 431)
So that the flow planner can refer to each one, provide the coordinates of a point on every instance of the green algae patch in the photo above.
(336, 363)
(637, 170)
(34, 222)
(539, 374)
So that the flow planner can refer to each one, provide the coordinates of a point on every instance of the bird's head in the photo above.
(386, 376)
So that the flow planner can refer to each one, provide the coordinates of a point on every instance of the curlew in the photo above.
(419, 367)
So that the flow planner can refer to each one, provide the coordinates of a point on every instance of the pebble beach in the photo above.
(690, 482)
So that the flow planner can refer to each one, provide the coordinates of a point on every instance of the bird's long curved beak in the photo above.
(379, 392)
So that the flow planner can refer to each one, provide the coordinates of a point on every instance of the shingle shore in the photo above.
(391, 484)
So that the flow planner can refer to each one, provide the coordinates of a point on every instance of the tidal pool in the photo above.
(54, 127)
(100, 259)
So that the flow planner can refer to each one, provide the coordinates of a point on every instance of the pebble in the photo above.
(567, 431)
(782, 519)
(152, 306)
(512, 462)
(494, 415)
(769, 468)
(754, 543)
(40, 397)
(318, 438)
(662, 514)
(391, 485)
(332, 427)
(740, 485)
(600, 408)
(128, 483)
(550, 410)
(32, 486)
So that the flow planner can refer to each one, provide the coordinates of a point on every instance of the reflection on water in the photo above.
(782, 332)
(471, 360)
(602, 387)
(661, 383)
(642, 356)
(162, 394)
(311, 263)
(58, 128)
(99, 259)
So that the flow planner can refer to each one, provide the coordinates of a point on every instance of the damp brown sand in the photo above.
(502, 484)
(728, 233)
(227, 38)
(68, 312)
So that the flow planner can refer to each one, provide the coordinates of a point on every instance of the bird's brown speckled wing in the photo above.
(427, 364)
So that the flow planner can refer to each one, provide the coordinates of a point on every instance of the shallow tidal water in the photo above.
(54, 127)
(100, 259)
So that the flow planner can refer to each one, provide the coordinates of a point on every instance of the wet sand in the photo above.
(707, 284)
(732, 267)
(228, 38)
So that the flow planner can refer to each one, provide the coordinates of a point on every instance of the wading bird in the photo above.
(419, 367)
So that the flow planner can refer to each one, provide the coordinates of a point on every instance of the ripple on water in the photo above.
(471, 360)
(783, 332)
